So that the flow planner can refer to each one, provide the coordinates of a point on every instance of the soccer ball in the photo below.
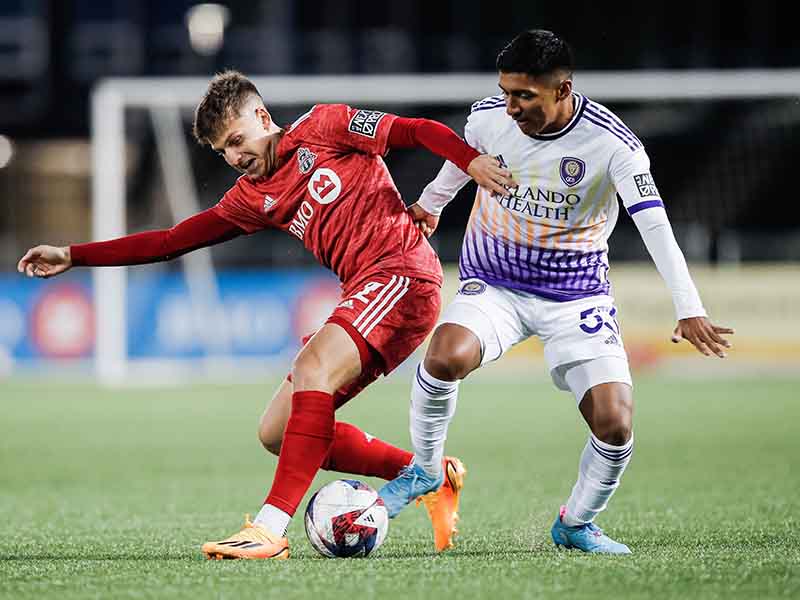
(346, 518)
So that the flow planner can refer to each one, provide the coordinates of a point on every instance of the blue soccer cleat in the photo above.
(588, 537)
(411, 483)
(440, 495)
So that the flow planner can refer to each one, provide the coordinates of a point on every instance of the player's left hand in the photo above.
(487, 173)
(703, 335)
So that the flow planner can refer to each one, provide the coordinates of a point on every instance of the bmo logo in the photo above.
(324, 185)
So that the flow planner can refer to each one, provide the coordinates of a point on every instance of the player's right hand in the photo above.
(45, 261)
(425, 221)
(487, 173)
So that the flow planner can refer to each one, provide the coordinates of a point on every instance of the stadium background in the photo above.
(109, 491)
(724, 167)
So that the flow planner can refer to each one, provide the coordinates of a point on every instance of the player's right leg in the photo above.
(453, 353)
(331, 360)
(477, 327)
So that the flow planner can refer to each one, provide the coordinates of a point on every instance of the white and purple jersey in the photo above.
(549, 236)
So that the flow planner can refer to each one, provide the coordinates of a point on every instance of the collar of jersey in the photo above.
(580, 104)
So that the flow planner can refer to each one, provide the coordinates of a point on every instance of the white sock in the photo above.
(600, 470)
(433, 404)
(273, 519)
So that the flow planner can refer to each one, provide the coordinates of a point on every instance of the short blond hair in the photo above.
(227, 94)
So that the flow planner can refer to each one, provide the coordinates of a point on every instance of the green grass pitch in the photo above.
(109, 494)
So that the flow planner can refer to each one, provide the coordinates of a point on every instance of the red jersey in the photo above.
(334, 192)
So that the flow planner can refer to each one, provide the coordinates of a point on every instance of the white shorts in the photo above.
(574, 333)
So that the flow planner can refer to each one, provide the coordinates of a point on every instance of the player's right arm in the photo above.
(450, 179)
(203, 229)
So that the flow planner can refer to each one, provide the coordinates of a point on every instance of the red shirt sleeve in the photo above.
(436, 137)
(203, 229)
(348, 128)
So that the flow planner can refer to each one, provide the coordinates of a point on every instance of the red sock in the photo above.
(306, 442)
(358, 453)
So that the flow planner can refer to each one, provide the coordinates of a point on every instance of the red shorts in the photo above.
(388, 317)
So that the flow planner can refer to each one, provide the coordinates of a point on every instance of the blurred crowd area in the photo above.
(722, 166)
(52, 51)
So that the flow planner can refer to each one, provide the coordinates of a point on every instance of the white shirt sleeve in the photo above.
(630, 173)
(441, 191)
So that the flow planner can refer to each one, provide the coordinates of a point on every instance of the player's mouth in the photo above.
(523, 124)
(245, 167)
(526, 126)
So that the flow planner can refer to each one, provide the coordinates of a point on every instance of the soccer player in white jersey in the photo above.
(534, 263)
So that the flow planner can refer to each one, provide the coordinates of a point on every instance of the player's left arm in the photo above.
(444, 142)
(376, 132)
(641, 199)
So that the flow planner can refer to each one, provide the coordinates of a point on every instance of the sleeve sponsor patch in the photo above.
(646, 185)
(365, 122)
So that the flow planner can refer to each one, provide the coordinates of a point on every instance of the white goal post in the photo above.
(164, 96)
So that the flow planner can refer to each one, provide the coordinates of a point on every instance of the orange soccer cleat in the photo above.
(442, 505)
(253, 541)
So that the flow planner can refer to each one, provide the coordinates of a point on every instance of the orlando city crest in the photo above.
(472, 288)
(305, 160)
(572, 170)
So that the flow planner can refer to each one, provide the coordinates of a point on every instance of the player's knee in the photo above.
(616, 434)
(307, 371)
(608, 409)
(269, 440)
(616, 425)
(453, 354)
(272, 446)
(447, 366)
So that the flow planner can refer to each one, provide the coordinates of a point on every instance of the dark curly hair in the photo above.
(536, 52)
(227, 93)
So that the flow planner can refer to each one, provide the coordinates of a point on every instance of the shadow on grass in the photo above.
(399, 555)
(383, 556)
(99, 557)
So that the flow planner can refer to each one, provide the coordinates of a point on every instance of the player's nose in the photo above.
(233, 157)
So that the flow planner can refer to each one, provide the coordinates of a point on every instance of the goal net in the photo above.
(722, 145)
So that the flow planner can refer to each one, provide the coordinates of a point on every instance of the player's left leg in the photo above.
(585, 352)
(608, 410)
(353, 451)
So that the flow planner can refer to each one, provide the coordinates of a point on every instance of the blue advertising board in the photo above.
(250, 313)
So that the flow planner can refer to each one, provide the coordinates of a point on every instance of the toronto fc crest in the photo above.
(305, 160)
(572, 170)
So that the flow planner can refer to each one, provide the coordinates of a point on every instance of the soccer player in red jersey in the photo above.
(323, 180)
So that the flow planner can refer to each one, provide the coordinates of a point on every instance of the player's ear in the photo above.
(263, 115)
(564, 89)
